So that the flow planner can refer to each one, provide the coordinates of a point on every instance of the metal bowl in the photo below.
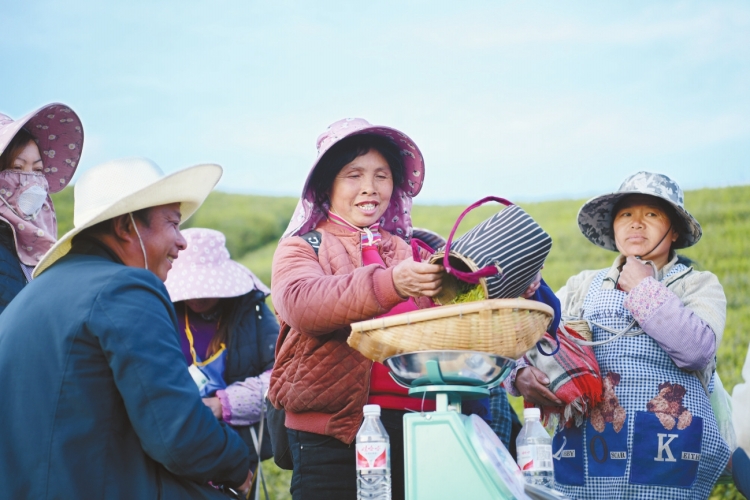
(472, 368)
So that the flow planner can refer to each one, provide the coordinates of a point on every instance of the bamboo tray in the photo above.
(507, 327)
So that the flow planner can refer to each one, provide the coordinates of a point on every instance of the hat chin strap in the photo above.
(639, 257)
(143, 248)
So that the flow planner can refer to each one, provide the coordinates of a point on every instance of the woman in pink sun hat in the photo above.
(39, 154)
(344, 258)
(227, 332)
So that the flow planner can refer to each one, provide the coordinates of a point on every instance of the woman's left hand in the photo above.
(215, 405)
(633, 272)
(533, 287)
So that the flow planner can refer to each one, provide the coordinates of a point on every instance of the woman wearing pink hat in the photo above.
(39, 154)
(227, 332)
(345, 258)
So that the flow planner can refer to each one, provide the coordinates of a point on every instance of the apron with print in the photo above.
(654, 435)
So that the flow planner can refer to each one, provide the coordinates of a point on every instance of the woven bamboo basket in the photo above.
(451, 284)
(507, 327)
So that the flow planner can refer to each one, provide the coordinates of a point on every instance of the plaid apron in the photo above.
(655, 435)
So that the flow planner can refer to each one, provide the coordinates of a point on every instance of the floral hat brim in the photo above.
(397, 217)
(595, 216)
(59, 134)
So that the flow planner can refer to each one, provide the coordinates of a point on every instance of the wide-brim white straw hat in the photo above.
(127, 185)
(204, 270)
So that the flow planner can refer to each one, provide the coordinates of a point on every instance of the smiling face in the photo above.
(162, 238)
(643, 228)
(362, 189)
(28, 160)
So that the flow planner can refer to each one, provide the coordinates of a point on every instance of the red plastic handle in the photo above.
(487, 271)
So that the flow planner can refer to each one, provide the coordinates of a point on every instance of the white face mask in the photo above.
(30, 201)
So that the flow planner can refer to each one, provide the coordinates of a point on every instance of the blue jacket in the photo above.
(97, 401)
(12, 279)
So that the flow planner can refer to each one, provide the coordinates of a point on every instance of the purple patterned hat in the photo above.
(59, 135)
(204, 270)
(397, 217)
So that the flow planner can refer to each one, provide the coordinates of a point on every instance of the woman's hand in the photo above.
(533, 287)
(245, 488)
(215, 405)
(532, 384)
(633, 272)
(417, 279)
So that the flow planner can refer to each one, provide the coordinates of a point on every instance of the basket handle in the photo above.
(416, 244)
(474, 276)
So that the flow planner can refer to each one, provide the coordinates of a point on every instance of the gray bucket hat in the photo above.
(595, 216)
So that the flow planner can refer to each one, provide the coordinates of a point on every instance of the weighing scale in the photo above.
(447, 454)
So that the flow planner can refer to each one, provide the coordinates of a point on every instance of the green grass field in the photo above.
(253, 224)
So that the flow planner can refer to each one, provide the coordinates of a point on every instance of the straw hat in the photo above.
(204, 269)
(58, 133)
(595, 216)
(122, 186)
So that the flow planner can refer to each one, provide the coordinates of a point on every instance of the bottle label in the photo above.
(536, 457)
(372, 455)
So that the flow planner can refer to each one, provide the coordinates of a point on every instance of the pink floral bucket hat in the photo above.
(58, 133)
(397, 218)
(204, 270)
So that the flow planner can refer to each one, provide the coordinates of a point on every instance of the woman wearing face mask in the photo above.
(39, 154)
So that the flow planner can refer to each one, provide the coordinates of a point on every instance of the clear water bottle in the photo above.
(373, 457)
(534, 448)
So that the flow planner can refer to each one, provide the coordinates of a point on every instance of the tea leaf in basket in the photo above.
(468, 293)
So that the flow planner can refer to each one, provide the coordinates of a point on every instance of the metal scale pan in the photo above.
(447, 454)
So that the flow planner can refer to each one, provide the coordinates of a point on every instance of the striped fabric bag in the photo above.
(508, 250)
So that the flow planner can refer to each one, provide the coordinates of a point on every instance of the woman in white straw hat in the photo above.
(39, 154)
(227, 332)
(89, 351)
(656, 327)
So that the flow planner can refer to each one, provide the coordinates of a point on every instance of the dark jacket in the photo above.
(251, 342)
(97, 401)
(12, 279)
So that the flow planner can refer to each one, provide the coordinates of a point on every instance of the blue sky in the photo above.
(527, 100)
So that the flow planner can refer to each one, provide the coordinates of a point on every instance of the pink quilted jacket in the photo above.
(321, 381)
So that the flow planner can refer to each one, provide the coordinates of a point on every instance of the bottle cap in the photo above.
(531, 413)
(371, 410)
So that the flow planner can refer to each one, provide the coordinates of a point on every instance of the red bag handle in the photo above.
(474, 276)
(415, 245)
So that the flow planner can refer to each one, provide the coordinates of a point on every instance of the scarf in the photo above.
(25, 204)
(574, 376)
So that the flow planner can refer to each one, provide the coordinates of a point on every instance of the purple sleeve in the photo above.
(241, 401)
(510, 383)
(684, 336)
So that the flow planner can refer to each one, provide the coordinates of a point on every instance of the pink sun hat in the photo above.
(204, 270)
(58, 133)
(397, 217)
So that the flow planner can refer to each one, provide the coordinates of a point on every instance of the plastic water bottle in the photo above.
(534, 448)
(373, 457)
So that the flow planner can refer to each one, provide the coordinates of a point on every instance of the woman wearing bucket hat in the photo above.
(39, 154)
(656, 326)
(352, 262)
(227, 332)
